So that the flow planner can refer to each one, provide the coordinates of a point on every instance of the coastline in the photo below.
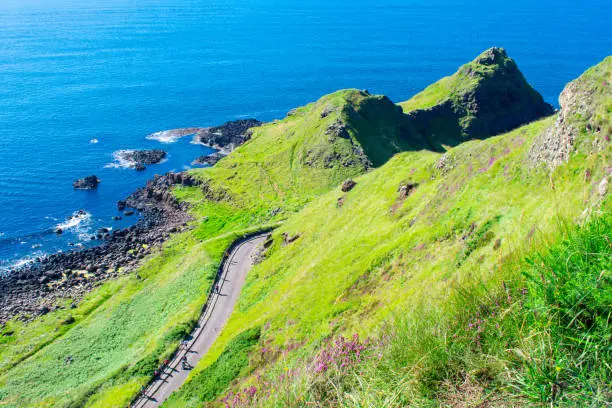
(35, 289)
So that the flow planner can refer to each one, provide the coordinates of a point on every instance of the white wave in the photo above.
(120, 161)
(171, 136)
(94, 141)
(75, 222)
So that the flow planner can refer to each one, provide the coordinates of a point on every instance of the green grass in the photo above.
(100, 353)
(355, 266)
(211, 382)
(352, 268)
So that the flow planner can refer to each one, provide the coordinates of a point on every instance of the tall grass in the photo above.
(538, 335)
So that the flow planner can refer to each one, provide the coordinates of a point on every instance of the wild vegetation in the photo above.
(450, 276)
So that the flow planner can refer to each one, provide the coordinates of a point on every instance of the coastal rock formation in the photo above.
(139, 158)
(485, 97)
(35, 288)
(209, 160)
(86, 183)
(227, 136)
(156, 194)
(582, 118)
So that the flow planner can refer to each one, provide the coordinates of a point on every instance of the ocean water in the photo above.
(117, 70)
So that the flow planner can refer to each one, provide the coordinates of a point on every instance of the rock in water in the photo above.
(87, 183)
(140, 158)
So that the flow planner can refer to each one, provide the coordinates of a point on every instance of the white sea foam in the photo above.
(77, 222)
(120, 161)
(5, 267)
(94, 141)
(166, 136)
(171, 136)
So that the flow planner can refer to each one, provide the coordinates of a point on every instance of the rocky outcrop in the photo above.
(348, 185)
(138, 159)
(227, 136)
(209, 160)
(582, 118)
(157, 193)
(86, 183)
(36, 288)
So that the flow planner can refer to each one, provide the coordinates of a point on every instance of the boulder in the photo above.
(86, 183)
(348, 185)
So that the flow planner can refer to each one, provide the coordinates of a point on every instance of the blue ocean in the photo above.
(82, 80)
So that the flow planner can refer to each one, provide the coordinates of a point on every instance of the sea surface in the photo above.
(114, 71)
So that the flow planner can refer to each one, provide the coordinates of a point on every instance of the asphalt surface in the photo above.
(218, 310)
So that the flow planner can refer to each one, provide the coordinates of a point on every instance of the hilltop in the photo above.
(485, 97)
(429, 236)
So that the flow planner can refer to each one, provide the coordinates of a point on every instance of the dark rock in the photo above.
(210, 160)
(139, 167)
(348, 185)
(128, 213)
(59, 231)
(141, 157)
(338, 129)
(117, 218)
(86, 183)
(287, 239)
(121, 205)
(227, 136)
(406, 189)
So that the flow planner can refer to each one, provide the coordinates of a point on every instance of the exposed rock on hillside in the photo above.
(584, 116)
(210, 159)
(227, 136)
(87, 183)
(348, 185)
(483, 98)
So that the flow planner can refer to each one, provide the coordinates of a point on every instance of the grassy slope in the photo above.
(348, 274)
(485, 97)
(100, 353)
(354, 266)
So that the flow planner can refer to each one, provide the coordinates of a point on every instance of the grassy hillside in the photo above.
(485, 97)
(417, 226)
(101, 351)
(374, 255)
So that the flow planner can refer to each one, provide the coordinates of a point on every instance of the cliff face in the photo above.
(485, 97)
(584, 120)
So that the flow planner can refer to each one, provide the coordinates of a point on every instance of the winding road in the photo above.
(218, 309)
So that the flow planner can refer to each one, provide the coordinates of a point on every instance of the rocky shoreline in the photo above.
(35, 289)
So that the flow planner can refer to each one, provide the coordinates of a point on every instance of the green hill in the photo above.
(386, 265)
(385, 258)
(485, 97)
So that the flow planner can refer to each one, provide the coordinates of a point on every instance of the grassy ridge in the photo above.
(100, 353)
(354, 265)
(485, 97)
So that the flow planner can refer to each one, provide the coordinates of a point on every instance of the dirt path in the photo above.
(218, 309)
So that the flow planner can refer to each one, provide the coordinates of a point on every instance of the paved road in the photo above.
(218, 310)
